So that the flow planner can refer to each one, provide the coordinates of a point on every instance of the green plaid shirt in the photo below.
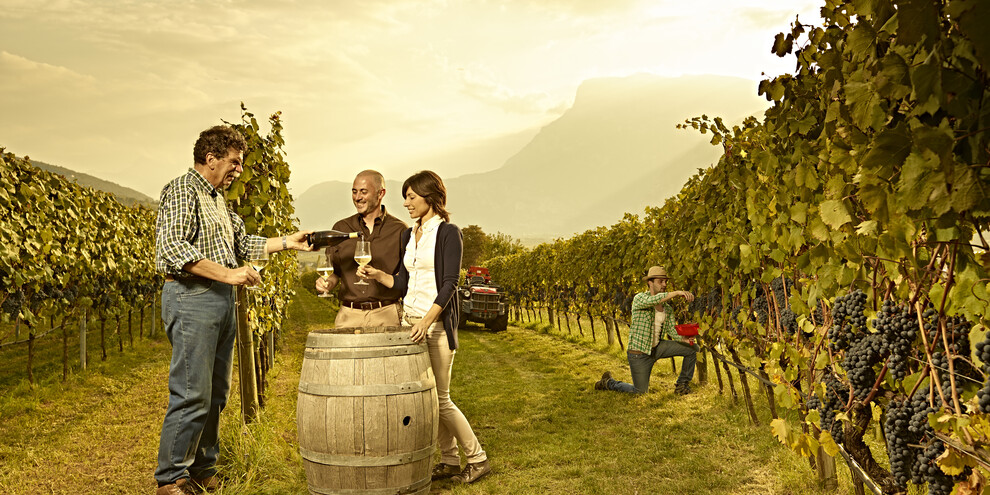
(194, 222)
(643, 317)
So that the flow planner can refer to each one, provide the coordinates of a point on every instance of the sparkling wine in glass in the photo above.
(325, 267)
(258, 260)
(362, 255)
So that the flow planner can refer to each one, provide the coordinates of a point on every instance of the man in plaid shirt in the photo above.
(652, 318)
(198, 241)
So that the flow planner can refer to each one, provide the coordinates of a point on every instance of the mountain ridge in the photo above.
(615, 150)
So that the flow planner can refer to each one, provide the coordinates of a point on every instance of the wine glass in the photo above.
(258, 260)
(362, 255)
(325, 267)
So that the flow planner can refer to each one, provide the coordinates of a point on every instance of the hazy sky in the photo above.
(121, 88)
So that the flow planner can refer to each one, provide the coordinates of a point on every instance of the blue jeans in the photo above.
(200, 324)
(641, 366)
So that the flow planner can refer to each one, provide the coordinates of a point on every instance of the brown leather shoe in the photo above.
(443, 471)
(473, 472)
(199, 485)
(180, 487)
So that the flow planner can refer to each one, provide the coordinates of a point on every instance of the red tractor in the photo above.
(482, 301)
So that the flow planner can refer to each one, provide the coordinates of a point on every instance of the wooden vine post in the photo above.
(82, 339)
(245, 360)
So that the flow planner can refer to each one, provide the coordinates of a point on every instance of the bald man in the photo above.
(373, 304)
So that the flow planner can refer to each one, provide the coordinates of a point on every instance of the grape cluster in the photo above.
(956, 326)
(983, 352)
(836, 397)
(898, 326)
(858, 362)
(781, 289)
(899, 438)
(12, 304)
(922, 463)
(847, 317)
(761, 310)
(818, 314)
(714, 301)
(788, 320)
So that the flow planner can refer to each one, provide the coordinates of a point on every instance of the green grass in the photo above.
(527, 392)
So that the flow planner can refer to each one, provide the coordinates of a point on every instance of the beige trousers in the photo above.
(380, 317)
(454, 428)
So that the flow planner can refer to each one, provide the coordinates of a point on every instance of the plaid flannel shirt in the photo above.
(643, 317)
(194, 222)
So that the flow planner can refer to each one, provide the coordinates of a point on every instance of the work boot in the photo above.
(474, 471)
(443, 471)
(603, 383)
(682, 389)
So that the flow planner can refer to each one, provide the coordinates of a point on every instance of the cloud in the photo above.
(23, 74)
(482, 85)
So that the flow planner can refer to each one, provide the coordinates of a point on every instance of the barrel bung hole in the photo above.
(405, 421)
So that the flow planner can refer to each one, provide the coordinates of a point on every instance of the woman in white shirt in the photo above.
(431, 263)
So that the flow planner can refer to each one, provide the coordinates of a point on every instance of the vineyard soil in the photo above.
(527, 392)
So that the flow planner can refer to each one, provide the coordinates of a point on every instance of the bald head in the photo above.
(372, 176)
(367, 192)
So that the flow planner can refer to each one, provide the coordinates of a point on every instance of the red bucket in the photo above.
(687, 329)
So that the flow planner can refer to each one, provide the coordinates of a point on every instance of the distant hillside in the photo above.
(125, 195)
(616, 150)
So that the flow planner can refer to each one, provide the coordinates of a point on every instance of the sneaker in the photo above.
(443, 471)
(473, 472)
(682, 389)
(603, 383)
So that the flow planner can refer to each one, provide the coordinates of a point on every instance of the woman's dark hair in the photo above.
(429, 185)
(218, 140)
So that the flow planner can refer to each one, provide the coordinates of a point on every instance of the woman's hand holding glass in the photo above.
(362, 255)
(371, 273)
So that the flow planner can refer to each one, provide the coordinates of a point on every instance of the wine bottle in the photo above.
(324, 238)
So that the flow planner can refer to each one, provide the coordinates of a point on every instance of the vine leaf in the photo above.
(952, 463)
(834, 213)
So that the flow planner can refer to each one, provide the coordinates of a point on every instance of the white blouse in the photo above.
(420, 263)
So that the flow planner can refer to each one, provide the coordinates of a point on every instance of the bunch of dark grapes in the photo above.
(714, 301)
(898, 326)
(983, 352)
(847, 317)
(697, 307)
(914, 463)
(899, 437)
(858, 362)
(927, 470)
(962, 371)
(818, 315)
(781, 289)
(788, 320)
(760, 309)
(957, 328)
(836, 397)
(12, 304)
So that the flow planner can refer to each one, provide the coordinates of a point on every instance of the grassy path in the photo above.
(528, 395)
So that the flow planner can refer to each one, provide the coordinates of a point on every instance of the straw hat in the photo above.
(655, 272)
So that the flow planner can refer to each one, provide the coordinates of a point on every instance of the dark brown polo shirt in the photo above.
(384, 256)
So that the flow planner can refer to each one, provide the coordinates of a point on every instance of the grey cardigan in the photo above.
(447, 268)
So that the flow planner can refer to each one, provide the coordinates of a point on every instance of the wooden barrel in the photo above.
(367, 412)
